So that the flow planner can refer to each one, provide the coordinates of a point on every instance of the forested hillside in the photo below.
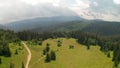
(72, 23)
(6, 37)
(103, 28)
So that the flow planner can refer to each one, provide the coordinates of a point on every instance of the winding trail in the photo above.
(28, 56)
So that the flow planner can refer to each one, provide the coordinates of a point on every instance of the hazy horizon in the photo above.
(12, 10)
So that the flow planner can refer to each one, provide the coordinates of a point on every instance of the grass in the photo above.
(79, 57)
(15, 59)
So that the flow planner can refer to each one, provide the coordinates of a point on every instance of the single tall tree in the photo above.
(16, 52)
(47, 58)
(53, 55)
(23, 65)
(11, 65)
(47, 47)
(0, 61)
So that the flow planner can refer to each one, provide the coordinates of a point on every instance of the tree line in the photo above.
(6, 37)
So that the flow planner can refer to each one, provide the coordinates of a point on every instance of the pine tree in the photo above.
(0, 61)
(23, 65)
(48, 59)
(88, 47)
(108, 55)
(44, 52)
(53, 55)
(16, 52)
(47, 48)
(40, 42)
(11, 65)
(59, 43)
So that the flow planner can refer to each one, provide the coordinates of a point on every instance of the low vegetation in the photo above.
(66, 57)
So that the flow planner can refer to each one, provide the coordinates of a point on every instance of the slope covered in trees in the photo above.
(59, 24)
(7, 36)
(104, 28)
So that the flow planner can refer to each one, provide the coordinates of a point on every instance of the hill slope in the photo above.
(67, 23)
(79, 57)
(104, 28)
(99, 27)
(40, 22)
(2, 27)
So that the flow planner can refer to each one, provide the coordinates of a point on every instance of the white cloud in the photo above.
(90, 9)
(34, 2)
(81, 4)
(95, 3)
(22, 10)
(117, 1)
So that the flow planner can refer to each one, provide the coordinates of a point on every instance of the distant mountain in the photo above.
(40, 22)
(67, 23)
(103, 28)
(66, 26)
(2, 27)
(93, 26)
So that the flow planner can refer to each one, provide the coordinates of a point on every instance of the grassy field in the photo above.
(79, 57)
(15, 59)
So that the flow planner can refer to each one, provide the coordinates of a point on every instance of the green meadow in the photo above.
(78, 57)
(15, 59)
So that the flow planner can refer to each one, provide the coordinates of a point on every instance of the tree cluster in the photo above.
(50, 55)
(7, 36)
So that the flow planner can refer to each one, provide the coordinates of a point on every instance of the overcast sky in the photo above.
(12, 10)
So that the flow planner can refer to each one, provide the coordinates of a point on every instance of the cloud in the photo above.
(117, 1)
(22, 10)
(11, 10)
(35, 2)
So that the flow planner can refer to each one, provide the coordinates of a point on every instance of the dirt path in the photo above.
(28, 56)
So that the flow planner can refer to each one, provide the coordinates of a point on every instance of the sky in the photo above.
(13, 10)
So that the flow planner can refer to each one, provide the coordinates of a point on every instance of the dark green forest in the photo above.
(6, 37)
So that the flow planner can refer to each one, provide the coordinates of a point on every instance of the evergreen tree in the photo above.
(47, 47)
(108, 55)
(71, 46)
(48, 59)
(40, 42)
(87, 43)
(16, 52)
(44, 52)
(0, 61)
(11, 65)
(96, 39)
(59, 43)
(47, 44)
(88, 47)
(53, 55)
(23, 65)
